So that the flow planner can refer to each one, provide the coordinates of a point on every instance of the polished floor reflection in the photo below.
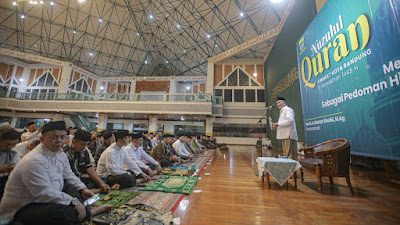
(233, 194)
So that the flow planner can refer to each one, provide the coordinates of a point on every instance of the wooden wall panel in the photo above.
(94, 86)
(228, 70)
(31, 76)
(76, 77)
(203, 88)
(195, 89)
(18, 73)
(152, 86)
(112, 88)
(4, 70)
(217, 74)
(39, 73)
(260, 74)
(56, 74)
(250, 70)
(10, 71)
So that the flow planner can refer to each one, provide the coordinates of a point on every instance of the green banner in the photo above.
(349, 71)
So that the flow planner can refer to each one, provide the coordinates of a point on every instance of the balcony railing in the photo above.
(113, 97)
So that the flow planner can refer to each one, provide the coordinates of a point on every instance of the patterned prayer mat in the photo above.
(164, 202)
(180, 172)
(200, 160)
(192, 167)
(173, 184)
(116, 198)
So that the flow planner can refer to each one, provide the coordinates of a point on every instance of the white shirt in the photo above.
(22, 148)
(112, 161)
(287, 125)
(154, 142)
(180, 149)
(38, 177)
(268, 143)
(138, 154)
(29, 135)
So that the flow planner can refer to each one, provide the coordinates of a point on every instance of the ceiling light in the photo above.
(182, 118)
(137, 34)
(14, 3)
(145, 62)
(101, 88)
(100, 20)
(35, 2)
(184, 51)
(275, 1)
(34, 110)
(30, 2)
(178, 26)
(208, 35)
(20, 79)
(151, 16)
(35, 45)
(216, 46)
(91, 54)
(22, 16)
(41, 2)
(241, 14)
(254, 74)
(51, 3)
(74, 32)
(188, 88)
(80, 1)
(166, 62)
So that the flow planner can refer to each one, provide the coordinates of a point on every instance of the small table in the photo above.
(281, 169)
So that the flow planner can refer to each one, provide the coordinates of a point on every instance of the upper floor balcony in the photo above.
(164, 103)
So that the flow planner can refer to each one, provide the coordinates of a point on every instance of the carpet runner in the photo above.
(164, 202)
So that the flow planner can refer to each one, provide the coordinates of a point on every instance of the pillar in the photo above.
(172, 87)
(210, 78)
(65, 78)
(58, 117)
(102, 124)
(133, 86)
(13, 121)
(169, 127)
(209, 126)
(153, 119)
(25, 78)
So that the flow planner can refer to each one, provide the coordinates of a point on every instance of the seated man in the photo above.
(147, 146)
(162, 153)
(107, 139)
(186, 144)
(8, 155)
(25, 147)
(200, 143)
(145, 162)
(32, 132)
(180, 148)
(194, 145)
(79, 161)
(111, 162)
(33, 193)
(268, 143)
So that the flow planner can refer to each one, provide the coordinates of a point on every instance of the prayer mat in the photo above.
(173, 184)
(201, 161)
(116, 198)
(179, 172)
(164, 202)
(192, 167)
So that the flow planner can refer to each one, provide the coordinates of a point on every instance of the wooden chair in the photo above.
(329, 159)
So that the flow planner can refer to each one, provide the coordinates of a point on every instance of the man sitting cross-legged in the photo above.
(79, 161)
(33, 193)
(111, 162)
(145, 162)
(163, 152)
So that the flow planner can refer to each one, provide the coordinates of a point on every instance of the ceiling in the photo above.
(138, 37)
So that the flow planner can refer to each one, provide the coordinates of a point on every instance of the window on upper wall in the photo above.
(239, 95)
(218, 92)
(260, 95)
(232, 79)
(243, 79)
(250, 95)
(228, 95)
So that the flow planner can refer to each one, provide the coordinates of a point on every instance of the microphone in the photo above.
(271, 106)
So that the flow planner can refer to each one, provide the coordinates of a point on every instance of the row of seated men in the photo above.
(50, 182)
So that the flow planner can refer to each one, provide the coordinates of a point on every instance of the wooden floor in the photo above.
(232, 194)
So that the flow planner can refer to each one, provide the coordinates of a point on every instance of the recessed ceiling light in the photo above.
(254, 74)
(74, 32)
(178, 26)
(21, 79)
(151, 16)
(91, 54)
(145, 62)
(187, 88)
(80, 1)
(241, 14)
(208, 35)
(137, 34)
(166, 62)
(216, 46)
(14, 3)
(184, 51)
(35, 45)
(51, 3)
(100, 20)
(101, 88)
(41, 2)
(22, 16)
